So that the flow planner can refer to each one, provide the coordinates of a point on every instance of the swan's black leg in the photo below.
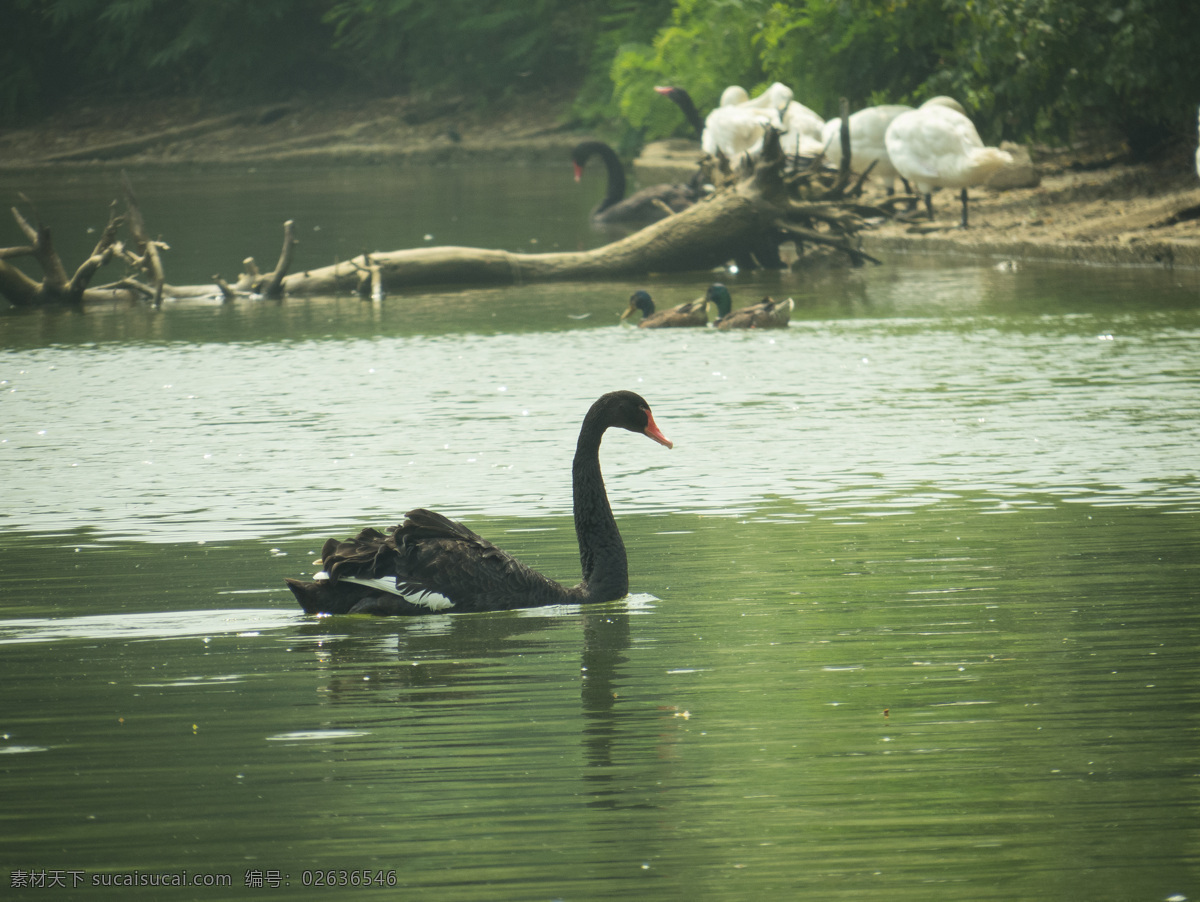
(964, 206)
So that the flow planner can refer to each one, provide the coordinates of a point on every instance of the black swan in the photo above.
(687, 106)
(766, 314)
(430, 563)
(691, 313)
(645, 206)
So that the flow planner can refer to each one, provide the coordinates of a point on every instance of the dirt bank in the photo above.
(1089, 213)
(327, 129)
(1115, 215)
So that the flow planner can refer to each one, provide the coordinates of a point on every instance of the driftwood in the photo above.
(746, 219)
(148, 257)
(146, 282)
(749, 215)
(252, 282)
(56, 287)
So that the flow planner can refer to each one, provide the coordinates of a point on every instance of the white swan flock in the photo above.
(931, 147)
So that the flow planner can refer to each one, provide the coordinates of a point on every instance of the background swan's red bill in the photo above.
(654, 432)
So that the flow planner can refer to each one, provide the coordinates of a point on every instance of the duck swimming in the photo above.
(431, 564)
(691, 313)
(766, 314)
(643, 207)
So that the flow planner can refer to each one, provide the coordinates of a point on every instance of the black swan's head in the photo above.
(679, 95)
(628, 410)
(583, 152)
(687, 106)
(639, 300)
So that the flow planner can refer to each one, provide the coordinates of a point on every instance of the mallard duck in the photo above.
(938, 147)
(766, 314)
(430, 563)
(692, 313)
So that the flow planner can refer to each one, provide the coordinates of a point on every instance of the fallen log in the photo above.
(745, 221)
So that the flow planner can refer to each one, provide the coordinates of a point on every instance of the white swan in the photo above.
(942, 100)
(776, 98)
(735, 131)
(800, 127)
(737, 128)
(867, 129)
(734, 95)
(937, 147)
(798, 121)
(802, 131)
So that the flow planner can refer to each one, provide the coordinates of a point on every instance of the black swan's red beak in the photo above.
(652, 430)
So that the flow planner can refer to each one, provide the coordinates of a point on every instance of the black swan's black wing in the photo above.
(428, 555)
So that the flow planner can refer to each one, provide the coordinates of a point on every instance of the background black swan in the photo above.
(645, 206)
(686, 105)
(430, 563)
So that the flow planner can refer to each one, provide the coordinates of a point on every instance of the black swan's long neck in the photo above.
(601, 551)
(615, 192)
(684, 100)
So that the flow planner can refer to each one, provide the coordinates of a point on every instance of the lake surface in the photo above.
(914, 609)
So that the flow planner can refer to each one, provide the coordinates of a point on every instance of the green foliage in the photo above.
(1023, 68)
(27, 75)
(864, 50)
(624, 23)
(483, 47)
(157, 46)
(1045, 67)
(707, 46)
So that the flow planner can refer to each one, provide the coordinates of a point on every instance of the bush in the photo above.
(706, 46)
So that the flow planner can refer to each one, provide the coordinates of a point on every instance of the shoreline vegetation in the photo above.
(1103, 95)
(1090, 207)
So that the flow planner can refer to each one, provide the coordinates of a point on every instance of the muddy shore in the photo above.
(1085, 209)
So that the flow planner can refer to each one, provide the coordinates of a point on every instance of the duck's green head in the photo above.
(718, 294)
(639, 300)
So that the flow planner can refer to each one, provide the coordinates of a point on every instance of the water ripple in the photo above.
(243, 440)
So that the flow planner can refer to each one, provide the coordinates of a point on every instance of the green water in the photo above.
(914, 609)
